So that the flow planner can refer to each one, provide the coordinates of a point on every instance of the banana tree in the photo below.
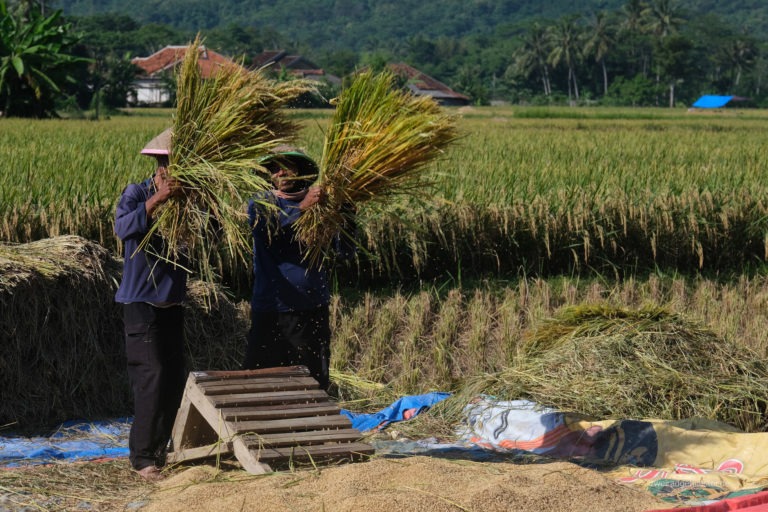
(34, 61)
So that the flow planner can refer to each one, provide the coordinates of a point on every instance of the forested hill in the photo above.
(363, 25)
(613, 52)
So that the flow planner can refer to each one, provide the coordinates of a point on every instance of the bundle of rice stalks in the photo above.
(379, 140)
(59, 330)
(609, 362)
(222, 127)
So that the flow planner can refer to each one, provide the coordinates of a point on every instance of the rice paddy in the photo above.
(542, 194)
(532, 210)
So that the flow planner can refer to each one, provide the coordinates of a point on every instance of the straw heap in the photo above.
(62, 347)
(379, 140)
(222, 126)
(610, 362)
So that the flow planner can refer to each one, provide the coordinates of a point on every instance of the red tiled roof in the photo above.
(267, 57)
(282, 59)
(209, 61)
(424, 82)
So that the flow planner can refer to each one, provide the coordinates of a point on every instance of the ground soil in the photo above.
(416, 483)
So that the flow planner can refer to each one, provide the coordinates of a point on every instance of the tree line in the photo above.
(643, 53)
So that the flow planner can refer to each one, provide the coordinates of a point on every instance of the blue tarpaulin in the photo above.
(403, 409)
(73, 440)
(709, 101)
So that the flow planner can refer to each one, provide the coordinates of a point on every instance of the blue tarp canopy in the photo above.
(708, 101)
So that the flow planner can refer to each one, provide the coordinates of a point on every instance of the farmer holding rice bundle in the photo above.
(189, 217)
(289, 304)
(152, 291)
(221, 126)
(380, 140)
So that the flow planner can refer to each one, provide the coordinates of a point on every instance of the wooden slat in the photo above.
(277, 397)
(239, 386)
(249, 380)
(293, 424)
(276, 412)
(189, 427)
(344, 435)
(326, 451)
(249, 458)
(272, 415)
(200, 452)
(222, 429)
(288, 371)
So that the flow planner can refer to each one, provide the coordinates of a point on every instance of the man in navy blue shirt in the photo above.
(152, 291)
(289, 304)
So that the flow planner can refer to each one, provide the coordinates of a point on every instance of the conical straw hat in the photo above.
(160, 145)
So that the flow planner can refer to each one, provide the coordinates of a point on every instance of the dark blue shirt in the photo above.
(145, 277)
(282, 282)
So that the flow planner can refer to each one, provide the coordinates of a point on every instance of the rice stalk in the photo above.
(445, 333)
(375, 361)
(379, 141)
(222, 127)
(477, 330)
(359, 394)
(348, 334)
(410, 345)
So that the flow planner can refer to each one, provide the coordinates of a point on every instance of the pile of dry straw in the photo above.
(61, 339)
(608, 362)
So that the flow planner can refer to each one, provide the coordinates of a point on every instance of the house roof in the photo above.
(423, 84)
(267, 57)
(167, 58)
(296, 65)
(280, 57)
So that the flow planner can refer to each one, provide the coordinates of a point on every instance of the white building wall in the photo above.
(150, 92)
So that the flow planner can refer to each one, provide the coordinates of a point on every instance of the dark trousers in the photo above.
(154, 346)
(287, 339)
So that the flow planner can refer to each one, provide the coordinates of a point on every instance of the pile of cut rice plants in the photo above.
(612, 362)
(62, 347)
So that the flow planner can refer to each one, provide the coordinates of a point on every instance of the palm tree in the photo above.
(741, 54)
(674, 61)
(599, 42)
(632, 13)
(532, 56)
(663, 18)
(632, 28)
(565, 38)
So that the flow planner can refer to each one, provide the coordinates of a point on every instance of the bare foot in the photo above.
(150, 474)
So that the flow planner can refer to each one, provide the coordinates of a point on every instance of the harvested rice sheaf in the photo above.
(380, 140)
(222, 127)
(610, 362)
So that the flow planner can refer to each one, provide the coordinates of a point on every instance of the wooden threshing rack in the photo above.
(265, 418)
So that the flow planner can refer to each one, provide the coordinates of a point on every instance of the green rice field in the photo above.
(530, 211)
(540, 189)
